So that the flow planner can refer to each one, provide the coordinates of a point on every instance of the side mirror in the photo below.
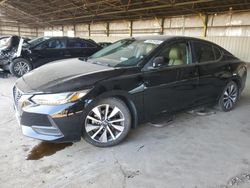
(158, 61)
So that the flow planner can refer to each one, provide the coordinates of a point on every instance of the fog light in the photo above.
(51, 131)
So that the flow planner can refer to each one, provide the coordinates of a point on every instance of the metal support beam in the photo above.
(22, 13)
(183, 25)
(18, 30)
(133, 10)
(63, 30)
(3, 1)
(89, 30)
(107, 29)
(131, 28)
(204, 19)
(74, 27)
(162, 26)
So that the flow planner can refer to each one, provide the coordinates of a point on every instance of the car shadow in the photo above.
(137, 135)
(244, 100)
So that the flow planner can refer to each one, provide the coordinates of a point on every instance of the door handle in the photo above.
(66, 54)
(191, 74)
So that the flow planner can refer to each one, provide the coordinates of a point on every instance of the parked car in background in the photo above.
(127, 83)
(43, 50)
(104, 44)
(8, 47)
(3, 41)
(10, 40)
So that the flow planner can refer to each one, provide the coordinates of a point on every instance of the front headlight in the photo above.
(58, 98)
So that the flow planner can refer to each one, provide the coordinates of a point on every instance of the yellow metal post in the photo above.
(204, 19)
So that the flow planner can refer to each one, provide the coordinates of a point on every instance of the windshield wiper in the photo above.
(83, 58)
(99, 63)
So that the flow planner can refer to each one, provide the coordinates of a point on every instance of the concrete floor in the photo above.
(193, 152)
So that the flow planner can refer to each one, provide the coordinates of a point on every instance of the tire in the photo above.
(107, 122)
(19, 67)
(229, 97)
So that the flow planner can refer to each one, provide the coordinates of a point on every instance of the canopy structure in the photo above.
(60, 12)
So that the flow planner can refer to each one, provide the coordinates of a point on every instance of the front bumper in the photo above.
(30, 132)
(60, 123)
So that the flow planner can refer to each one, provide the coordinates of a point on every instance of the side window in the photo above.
(217, 52)
(76, 43)
(176, 54)
(204, 52)
(56, 44)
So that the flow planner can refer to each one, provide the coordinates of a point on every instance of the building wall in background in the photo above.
(239, 46)
(10, 27)
(231, 30)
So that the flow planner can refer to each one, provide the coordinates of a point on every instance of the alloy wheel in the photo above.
(21, 68)
(105, 123)
(230, 96)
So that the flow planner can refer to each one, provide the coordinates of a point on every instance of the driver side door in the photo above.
(172, 85)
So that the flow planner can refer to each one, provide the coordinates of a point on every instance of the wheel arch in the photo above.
(126, 98)
(239, 76)
(131, 106)
(237, 81)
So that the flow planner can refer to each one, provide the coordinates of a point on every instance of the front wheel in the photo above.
(107, 123)
(19, 67)
(229, 97)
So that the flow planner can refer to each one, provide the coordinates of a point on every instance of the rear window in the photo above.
(75, 43)
(78, 43)
(217, 52)
(204, 52)
(56, 44)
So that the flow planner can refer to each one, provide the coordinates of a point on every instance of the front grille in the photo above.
(17, 94)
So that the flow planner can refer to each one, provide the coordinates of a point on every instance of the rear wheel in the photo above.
(229, 97)
(19, 67)
(107, 123)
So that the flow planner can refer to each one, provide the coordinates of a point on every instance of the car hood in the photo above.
(64, 75)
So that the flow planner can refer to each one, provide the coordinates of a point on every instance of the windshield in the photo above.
(35, 41)
(124, 53)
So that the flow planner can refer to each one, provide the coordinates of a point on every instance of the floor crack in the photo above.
(10, 120)
(121, 170)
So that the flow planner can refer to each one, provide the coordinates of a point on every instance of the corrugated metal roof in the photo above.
(58, 12)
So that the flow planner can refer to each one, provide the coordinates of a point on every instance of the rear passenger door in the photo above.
(208, 58)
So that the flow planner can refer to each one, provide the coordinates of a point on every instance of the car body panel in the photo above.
(38, 56)
(148, 92)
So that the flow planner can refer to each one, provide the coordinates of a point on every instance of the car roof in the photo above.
(62, 37)
(165, 38)
(65, 37)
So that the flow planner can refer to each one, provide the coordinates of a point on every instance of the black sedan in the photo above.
(43, 50)
(125, 84)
